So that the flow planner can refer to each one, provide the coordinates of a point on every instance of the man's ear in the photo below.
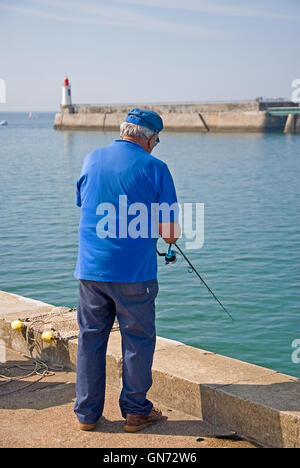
(150, 142)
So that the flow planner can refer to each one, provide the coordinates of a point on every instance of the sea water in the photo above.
(249, 185)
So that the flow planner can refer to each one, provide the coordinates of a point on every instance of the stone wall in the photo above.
(201, 118)
(246, 116)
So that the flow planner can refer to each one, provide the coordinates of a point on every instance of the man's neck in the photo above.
(140, 141)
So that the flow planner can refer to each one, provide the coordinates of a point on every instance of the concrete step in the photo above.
(259, 404)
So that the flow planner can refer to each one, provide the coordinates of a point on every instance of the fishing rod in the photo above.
(170, 257)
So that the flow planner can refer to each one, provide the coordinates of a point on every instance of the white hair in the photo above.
(135, 131)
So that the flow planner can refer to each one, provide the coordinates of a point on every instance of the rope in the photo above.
(40, 369)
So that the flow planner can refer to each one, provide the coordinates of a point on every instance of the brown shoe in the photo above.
(136, 422)
(87, 427)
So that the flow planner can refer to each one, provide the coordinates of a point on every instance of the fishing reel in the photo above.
(170, 255)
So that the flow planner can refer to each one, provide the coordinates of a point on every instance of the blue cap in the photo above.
(146, 118)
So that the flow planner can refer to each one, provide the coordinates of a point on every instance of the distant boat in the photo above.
(3, 122)
(30, 115)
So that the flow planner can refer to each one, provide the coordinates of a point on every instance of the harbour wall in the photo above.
(259, 404)
(248, 116)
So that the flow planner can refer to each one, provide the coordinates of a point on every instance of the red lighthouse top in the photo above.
(66, 82)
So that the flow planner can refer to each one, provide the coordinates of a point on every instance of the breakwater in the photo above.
(248, 116)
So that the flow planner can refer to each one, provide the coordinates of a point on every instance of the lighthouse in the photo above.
(66, 99)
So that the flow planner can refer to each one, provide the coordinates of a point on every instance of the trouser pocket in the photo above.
(142, 288)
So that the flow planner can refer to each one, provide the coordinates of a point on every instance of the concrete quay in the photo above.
(41, 416)
(225, 394)
(248, 116)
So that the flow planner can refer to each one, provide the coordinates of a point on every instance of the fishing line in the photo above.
(170, 258)
(205, 284)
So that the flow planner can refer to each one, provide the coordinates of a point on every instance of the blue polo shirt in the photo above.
(119, 190)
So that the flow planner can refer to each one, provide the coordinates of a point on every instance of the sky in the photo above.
(144, 51)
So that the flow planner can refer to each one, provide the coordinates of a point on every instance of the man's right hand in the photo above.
(170, 232)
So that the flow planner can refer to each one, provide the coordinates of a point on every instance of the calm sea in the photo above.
(249, 184)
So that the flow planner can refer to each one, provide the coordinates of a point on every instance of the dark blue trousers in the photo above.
(134, 306)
